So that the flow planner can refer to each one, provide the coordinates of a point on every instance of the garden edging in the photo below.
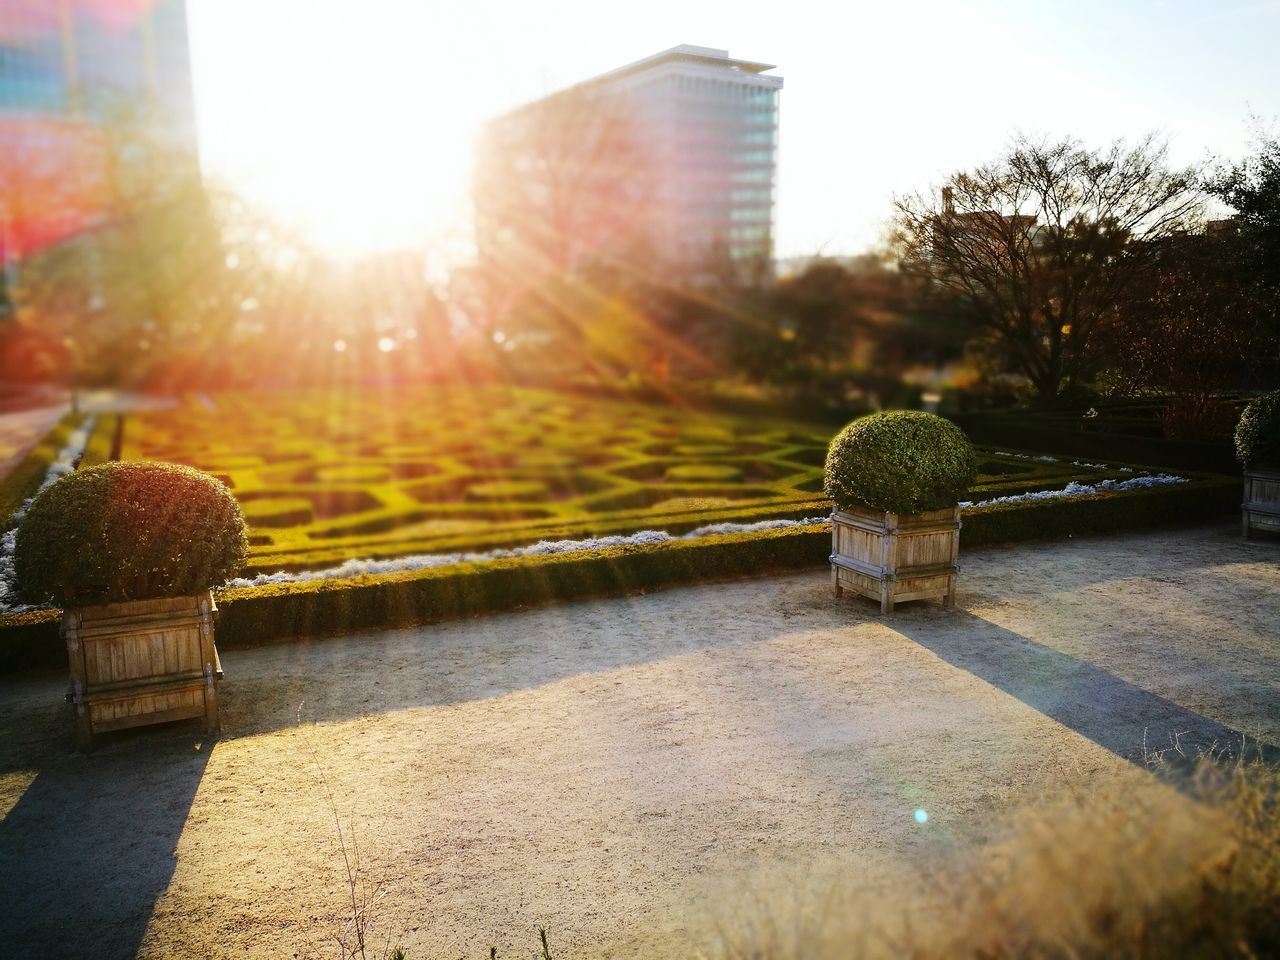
(278, 612)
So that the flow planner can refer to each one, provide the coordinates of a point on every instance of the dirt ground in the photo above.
(627, 772)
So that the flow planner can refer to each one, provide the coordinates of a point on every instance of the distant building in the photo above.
(669, 161)
(76, 76)
(980, 229)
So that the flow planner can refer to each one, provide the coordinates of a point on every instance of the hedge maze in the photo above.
(327, 476)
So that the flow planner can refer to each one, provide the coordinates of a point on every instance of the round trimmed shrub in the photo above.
(130, 530)
(903, 461)
(1258, 432)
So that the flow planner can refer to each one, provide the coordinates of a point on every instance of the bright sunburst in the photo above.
(346, 133)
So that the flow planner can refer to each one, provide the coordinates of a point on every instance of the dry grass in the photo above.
(1152, 872)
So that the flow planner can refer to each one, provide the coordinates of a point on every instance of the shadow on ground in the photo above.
(1128, 720)
(81, 812)
(131, 813)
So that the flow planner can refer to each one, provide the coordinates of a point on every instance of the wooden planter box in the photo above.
(891, 557)
(142, 662)
(1261, 507)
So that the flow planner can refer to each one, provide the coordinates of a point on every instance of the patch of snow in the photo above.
(1074, 489)
(1075, 463)
(1026, 456)
(355, 567)
(542, 548)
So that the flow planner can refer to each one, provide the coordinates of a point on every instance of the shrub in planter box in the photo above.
(129, 550)
(1258, 448)
(895, 479)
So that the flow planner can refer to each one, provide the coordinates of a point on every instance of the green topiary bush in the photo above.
(1258, 432)
(903, 461)
(130, 530)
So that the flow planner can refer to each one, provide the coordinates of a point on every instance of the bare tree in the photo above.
(115, 242)
(1039, 246)
(1194, 330)
(559, 183)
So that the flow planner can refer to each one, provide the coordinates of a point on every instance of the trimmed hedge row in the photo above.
(101, 447)
(1055, 519)
(25, 479)
(1027, 476)
(435, 470)
(1011, 430)
(261, 614)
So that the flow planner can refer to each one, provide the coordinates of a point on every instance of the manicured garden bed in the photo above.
(325, 477)
(373, 478)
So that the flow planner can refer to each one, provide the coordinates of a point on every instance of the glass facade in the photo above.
(705, 127)
(712, 130)
(73, 73)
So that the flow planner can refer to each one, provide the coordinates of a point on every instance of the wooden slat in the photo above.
(142, 662)
(164, 716)
(893, 558)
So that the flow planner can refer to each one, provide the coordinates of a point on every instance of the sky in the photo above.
(354, 121)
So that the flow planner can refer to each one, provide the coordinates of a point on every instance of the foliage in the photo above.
(464, 470)
(839, 326)
(128, 531)
(325, 476)
(559, 184)
(183, 285)
(1038, 247)
(1258, 433)
(903, 461)
(24, 479)
(114, 304)
(1078, 873)
(315, 608)
(1251, 187)
(1191, 328)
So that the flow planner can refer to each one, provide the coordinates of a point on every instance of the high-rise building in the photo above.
(669, 160)
(78, 78)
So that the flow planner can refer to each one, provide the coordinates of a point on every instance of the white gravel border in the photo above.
(76, 442)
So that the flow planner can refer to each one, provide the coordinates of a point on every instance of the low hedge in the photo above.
(25, 479)
(1014, 430)
(104, 440)
(504, 536)
(260, 614)
(1055, 519)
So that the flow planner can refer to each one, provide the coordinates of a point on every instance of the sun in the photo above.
(344, 132)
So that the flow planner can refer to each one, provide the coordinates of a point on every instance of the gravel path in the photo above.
(623, 770)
